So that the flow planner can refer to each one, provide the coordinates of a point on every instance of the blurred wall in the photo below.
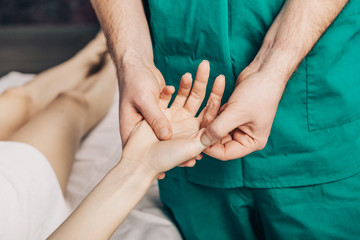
(40, 12)
(38, 34)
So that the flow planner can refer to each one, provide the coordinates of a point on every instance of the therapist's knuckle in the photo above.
(157, 122)
(141, 99)
(261, 144)
(144, 102)
(216, 131)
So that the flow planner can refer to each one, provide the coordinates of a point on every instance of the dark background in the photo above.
(38, 34)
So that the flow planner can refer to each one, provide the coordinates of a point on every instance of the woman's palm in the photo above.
(185, 143)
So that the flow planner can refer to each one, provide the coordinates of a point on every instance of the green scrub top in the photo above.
(315, 137)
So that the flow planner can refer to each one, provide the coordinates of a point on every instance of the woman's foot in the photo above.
(98, 91)
(93, 53)
(47, 85)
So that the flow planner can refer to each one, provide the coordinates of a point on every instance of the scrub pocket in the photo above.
(333, 73)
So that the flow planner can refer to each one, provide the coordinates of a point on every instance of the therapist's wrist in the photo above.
(279, 64)
(274, 61)
(130, 58)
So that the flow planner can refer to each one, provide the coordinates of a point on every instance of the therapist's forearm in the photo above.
(295, 31)
(108, 204)
(125, 26)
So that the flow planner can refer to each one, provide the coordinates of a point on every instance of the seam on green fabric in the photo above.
(337, 126)
(303, 182)
(307, 94)
(228, 17)
(234, 183)
(261, 183)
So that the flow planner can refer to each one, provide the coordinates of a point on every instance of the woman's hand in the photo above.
(144, 158)
(146, 150)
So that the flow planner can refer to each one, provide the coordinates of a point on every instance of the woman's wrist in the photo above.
(131, 169)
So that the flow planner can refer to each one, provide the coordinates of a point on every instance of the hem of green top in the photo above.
(263, 183)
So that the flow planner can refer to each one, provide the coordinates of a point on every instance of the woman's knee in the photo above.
(74, 100)
(23, 100)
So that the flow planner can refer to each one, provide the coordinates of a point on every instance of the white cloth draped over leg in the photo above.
(32, 205)
(100, 151)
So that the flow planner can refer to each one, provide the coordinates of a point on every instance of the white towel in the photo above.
(98, 153)
(31, 202)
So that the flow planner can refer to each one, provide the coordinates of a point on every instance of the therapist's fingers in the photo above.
(198, 91)
(165, 96)
(128, 119)
(189, 163)
(183, 92)
(153, 114)
(161, 176)
(237, 146)
(228, 151)
(223, 124)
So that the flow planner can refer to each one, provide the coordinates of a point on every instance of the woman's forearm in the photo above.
(295, 31)
(126, 28)
(108, 204)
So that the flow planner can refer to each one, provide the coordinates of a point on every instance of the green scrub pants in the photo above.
(324, 211)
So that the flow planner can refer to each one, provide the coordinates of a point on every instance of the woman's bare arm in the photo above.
(144, 158)
(107, 205)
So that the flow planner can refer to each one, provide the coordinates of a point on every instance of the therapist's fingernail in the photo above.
(163, 133)
(205, 140)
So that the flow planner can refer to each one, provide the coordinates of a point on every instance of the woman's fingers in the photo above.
(165, 96)
(209, 113)
(189, 163)
(184, 90)
(222, 108)
(228, 151)
(199, 89)
(161, 176)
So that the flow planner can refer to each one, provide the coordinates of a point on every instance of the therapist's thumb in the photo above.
(156, 119)
(219, 128)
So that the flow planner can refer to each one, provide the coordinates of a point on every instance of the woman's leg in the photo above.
(18, 105)
(58, 129)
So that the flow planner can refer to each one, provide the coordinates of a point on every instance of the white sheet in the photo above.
(100, 151)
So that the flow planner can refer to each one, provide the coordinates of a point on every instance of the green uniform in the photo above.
(328, 211)
(315, 138)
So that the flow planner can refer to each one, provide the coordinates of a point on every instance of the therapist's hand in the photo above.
(244, 124)
(140, 85)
